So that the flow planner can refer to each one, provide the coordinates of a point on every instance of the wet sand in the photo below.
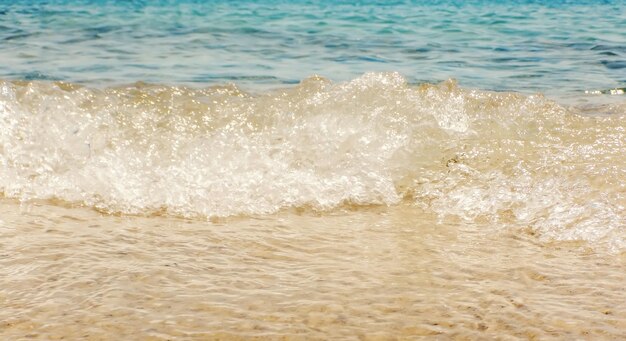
(379, 273)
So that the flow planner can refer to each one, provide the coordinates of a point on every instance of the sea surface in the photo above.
(553, 47)
(371, 170)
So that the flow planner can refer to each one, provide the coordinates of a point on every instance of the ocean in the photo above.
(370, 170)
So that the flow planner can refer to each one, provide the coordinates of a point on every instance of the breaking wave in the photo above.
(470, 155)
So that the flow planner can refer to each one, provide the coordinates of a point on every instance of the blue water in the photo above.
(560, 48)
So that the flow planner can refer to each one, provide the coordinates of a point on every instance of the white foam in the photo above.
(146, 149)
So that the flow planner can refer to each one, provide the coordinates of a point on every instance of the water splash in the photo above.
(477, 156)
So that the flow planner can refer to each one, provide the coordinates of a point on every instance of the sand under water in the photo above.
(376, 273)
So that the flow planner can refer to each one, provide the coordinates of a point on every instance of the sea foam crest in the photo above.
(218, 151)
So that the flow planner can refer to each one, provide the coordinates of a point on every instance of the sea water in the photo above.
(555, 47)
(312, 170)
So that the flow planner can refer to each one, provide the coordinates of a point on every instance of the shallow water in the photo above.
(171, 170)
(371, 273)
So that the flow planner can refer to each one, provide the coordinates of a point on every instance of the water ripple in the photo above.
(481, 44)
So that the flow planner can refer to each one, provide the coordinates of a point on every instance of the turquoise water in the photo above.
(561, 48)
